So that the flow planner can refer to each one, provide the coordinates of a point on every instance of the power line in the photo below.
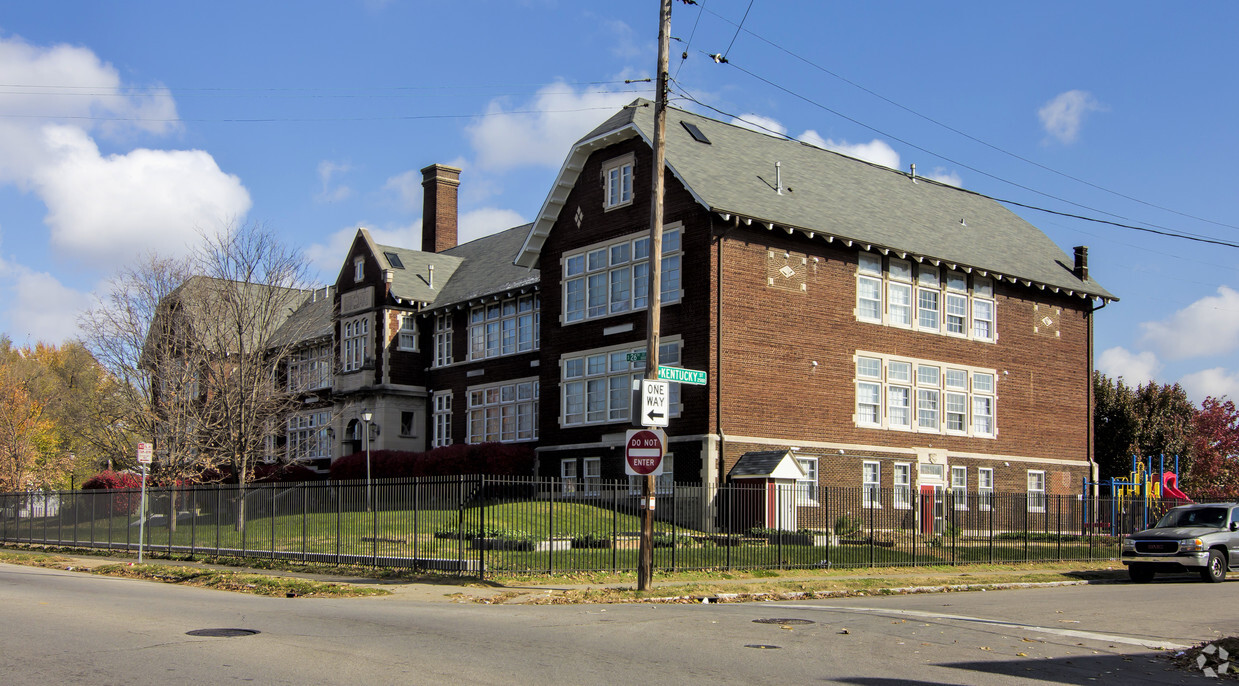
(942, 156)
(739, 27)
(1162, 231)
(962, 133)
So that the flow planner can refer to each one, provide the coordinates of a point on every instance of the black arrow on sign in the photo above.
(654, 415)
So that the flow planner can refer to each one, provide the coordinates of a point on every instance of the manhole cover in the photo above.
(780, 620)
(762, 646)
(222, 633)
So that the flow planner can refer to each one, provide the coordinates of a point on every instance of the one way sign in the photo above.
(655, 402)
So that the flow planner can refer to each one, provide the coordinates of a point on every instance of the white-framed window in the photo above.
(406, 338)
(613, 278)
(902, 478)
(924, 297)
(441, 420)
(806, 486)
(408, 423)
(617, 175)
(307, 436)
(869, 288)
(924, 396)
(985, 488)
(308, 369)
(663, 483)
(1036, 490)
(959, 487)
(871, 484)
(359, 269)
(597, 385)
(504, 328)
(355, 346)
(504, 413)
(568, 475)
(593, 475)
(443, 340)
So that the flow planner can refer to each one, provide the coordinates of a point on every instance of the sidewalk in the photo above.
(431, 588)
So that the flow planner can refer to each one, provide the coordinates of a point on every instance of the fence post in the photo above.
(305, 517)
(550, 529)
(482, 482)
(993, 503)
(872, 551)
(460, 521)
(417, 483)
(374, 522)
(1026, 525)
(339, 491)
(615, 488)
(674, 529)
(1058, 524)
(954, 529)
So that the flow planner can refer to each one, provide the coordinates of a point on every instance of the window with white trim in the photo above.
(617, 175)
(503, 413)
(871, 484)
(663, 483)
(308, 369)
(504, 328)
(443, 340)
(406, 338)
(355, 344)
(597, 385)
(442, 420)
(613, 278)
(923, 396)
(593, 475)
(806, 486)
(959, 487)
(1036, 490)
(307, 436)
(359, 269)
(985, 488)
(902, 476)
(568, 475)
(924, 297)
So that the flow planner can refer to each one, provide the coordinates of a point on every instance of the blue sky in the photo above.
(128, 127)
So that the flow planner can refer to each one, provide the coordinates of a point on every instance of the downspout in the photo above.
(718, 339)
(1094, 470)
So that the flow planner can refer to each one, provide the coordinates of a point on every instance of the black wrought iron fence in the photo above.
(474, 525)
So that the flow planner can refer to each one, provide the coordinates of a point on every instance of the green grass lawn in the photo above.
(412, 534)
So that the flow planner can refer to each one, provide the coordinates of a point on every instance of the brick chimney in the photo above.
(439, 184)
(1081, 266)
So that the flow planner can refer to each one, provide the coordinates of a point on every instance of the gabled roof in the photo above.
(411, 281)
(767, 464)
(311, 321)
(828, 196)
(201, 302)
(486, 268)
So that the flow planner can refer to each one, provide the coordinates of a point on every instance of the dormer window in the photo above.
(617, 177)
(359, 269)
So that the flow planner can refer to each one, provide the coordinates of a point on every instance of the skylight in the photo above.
(394, 260)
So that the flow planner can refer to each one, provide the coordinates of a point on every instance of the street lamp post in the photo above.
(366, 416)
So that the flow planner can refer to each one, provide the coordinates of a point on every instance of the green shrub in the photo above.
(846, 525)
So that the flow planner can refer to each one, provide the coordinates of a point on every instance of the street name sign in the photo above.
(655, 403)
(635, 357)
(643, 452)
(678, 375)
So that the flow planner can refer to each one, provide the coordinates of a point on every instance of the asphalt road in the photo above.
(60, 627)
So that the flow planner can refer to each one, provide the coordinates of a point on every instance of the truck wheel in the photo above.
(1140, 574)
(1216, 571)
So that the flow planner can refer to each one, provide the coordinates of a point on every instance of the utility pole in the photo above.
(654, 312)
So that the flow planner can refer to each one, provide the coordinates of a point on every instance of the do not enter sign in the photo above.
(643, 452)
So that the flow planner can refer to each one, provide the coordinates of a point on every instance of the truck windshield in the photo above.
(1214, 517)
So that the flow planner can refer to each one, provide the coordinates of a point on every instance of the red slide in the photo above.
(1170, 487)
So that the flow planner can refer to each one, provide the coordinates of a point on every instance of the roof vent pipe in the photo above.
(778, 178)
(1081, 267)
(430, 279)
(913, 172)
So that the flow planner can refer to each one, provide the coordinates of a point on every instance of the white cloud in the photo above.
(327, 170)
(108, 208)
(484, 221)
(875, 151)
(1209, 326)
(407, 187)
(540, 132)
(1063, 116)
(760, 124)
(104, 208)
(39, 307)
(1134, 368)
(1216, 382)
(944, 175)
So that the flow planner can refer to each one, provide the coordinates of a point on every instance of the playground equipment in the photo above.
(1144, 493)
